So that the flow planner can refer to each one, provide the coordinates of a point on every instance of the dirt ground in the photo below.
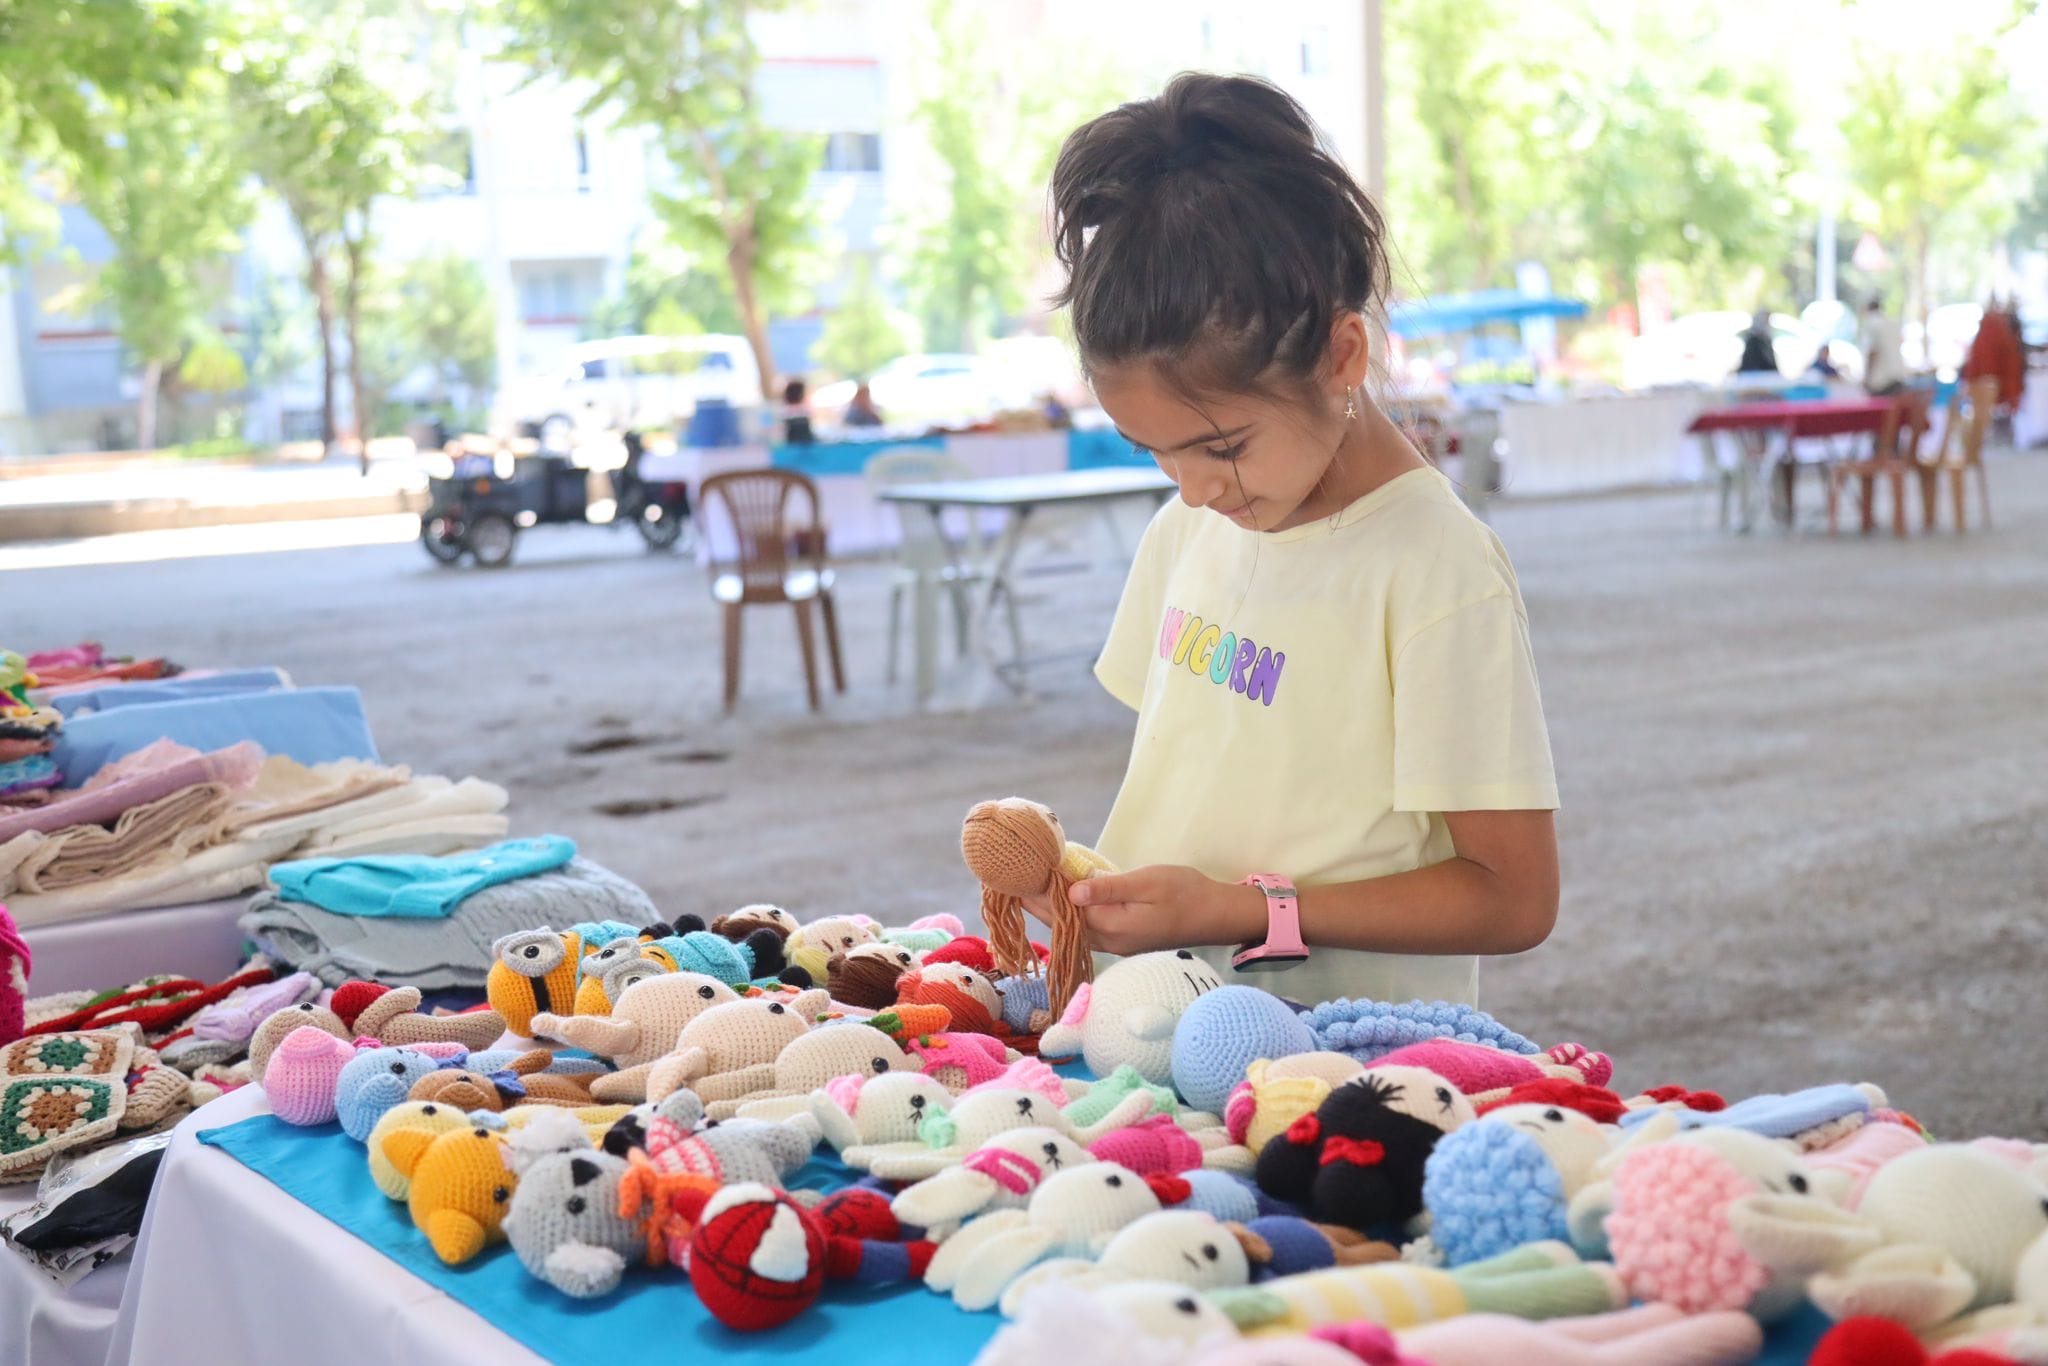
(1805, 779)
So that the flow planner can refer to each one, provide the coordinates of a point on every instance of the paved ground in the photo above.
(1806, 834)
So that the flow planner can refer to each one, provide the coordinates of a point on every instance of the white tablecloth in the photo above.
(112, 950)
(1582, 445)
(41, 1322)
(231, 1270)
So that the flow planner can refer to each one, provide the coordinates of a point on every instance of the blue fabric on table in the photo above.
(415, 886)
(311, 725)
(849, 1326)
(1101, 448)
(821, 458)
(177, 689)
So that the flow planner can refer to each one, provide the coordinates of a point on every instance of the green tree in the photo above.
(862, 333)
(169, 193)
(686, 73)
(430, 316)
(1935, 139)
(335, 115)
(69, 72)
(662, 287)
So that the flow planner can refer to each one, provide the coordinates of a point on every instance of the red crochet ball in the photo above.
(741, 1257)
(970, 949)
(353, 998)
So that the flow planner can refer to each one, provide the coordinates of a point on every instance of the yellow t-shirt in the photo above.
(1310, 701)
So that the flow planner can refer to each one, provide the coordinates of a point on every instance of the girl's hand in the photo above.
(1167, 906)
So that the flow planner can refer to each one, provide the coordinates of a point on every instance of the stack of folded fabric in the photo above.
(87, 663)
(27, 738)
(430, 922)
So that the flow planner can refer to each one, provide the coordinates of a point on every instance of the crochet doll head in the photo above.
(971, 999)
(1358, 1160)
(1222, 1032)
(760, 916)
(864, 976)
(1015, 849)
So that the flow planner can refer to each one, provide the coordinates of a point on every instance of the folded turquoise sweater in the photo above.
(412, 886)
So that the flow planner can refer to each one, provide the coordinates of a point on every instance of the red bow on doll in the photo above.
(1359, 1152)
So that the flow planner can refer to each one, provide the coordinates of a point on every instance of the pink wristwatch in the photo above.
(1282, 948)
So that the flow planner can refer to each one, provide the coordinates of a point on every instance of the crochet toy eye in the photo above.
(307, 1007)
(1186, 1306)
(916, 1102)
(499, 1195)
(846, 941)
(706, 992)
(776, 1009)
(575, 1205)
(1112, 1181)
(1443, 1096)
(1798, 1183)
(904, 959)
(398, 1069)
(1182, 953)
(531, 951)
(1053, 1150)
(1209, 1251)
(1554, 1116)
(1024, 1105)
(429, 1110)
(882, 1065)
(481, 1133)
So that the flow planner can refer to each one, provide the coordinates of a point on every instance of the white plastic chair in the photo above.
(928, 562)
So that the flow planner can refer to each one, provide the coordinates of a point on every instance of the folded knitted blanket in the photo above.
(448, 953)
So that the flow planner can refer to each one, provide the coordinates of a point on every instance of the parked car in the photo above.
(933, 387)
(1702, 348)
(624, 383)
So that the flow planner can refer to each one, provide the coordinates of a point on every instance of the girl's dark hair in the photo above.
(1211, 232)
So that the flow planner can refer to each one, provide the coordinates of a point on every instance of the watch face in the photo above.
(1266, 961)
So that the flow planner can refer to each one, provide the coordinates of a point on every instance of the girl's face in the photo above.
(1244, 457)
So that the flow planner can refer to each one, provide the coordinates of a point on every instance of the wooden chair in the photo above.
(1970, 408)
(1895, 453)
(775, 558)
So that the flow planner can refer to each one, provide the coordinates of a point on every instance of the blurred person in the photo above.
(861, 410)
(1824, 363)
(796, 414)
(1995, 353)
(1884, 357)
(1758, 354)
(1057, 414)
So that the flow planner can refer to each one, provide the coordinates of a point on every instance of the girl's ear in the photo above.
(1349, 353)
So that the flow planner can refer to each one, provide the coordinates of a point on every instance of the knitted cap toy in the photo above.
(1358, 1160)
(969, 950)
(1508, 1178)
(410, 1116)
(1275, 1093)
(15, 961)
(729, 1051)
(1221, 1032)
(864, 976)
(688, 947)
(301, 1077)
(565, 1227)
(1128, 1018)
(461, 1186)
(1072, 1214)
(535, 974)
(1016, 848)
(373, 1082)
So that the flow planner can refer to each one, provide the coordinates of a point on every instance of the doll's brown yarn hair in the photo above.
(1015, 852)
(866, 981)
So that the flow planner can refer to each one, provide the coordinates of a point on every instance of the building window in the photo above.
(1315, 51)
(582, 163)
(555, 295)
(853, 153)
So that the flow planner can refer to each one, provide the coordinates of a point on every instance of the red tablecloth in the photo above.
(1811, 417)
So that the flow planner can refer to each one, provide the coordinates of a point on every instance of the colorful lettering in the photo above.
(1189, 632)
(1247, 651)
(1266, 676)
(1220, 657)
(1205, 645)
(1169, 631)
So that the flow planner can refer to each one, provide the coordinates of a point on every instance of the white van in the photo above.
(620, 382)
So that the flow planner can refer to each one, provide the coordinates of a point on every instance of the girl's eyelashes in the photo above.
(1224, 452)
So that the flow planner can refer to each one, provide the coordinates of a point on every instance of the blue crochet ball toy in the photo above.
(1489, 1188)
(1224, 1032)
(372, 1082)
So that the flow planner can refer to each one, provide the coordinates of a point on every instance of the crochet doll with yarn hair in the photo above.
(1016, 848)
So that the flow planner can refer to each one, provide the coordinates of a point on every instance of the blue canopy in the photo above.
(1463, 312)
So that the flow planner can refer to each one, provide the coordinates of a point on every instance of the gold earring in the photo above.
(1350, 406)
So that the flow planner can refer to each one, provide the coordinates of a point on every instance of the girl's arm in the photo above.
(1498, 894)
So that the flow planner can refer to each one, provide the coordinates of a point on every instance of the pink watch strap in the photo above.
(1283, 919)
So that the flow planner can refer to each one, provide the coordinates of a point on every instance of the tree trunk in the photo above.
(352, 314)
(145, 406)
(323, 300)
(739, 260)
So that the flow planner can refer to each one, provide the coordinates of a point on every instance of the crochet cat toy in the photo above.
(1358, 1160)
(1128, 1018)
(1016, 848)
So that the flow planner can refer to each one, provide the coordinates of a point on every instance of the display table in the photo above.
(1588, 444)
(198, 940)
(231, 1268)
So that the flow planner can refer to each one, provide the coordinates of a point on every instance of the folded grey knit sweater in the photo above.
(448, 954)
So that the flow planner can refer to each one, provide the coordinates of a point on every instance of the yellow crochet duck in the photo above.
(462, 1184)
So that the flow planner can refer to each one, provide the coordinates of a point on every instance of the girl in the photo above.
(1328, 654)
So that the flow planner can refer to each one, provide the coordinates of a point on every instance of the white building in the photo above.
(553, 203)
